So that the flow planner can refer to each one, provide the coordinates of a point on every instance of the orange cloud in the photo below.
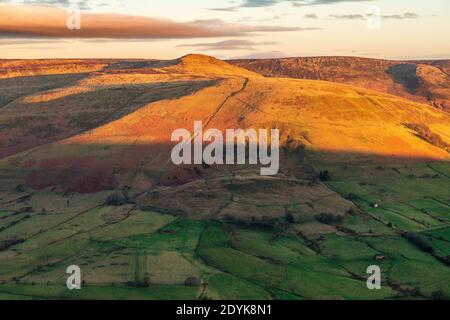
(46, 21)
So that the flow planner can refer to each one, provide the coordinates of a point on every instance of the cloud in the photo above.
(241, 29)
(311, 16)
(347, 16)
(21, 42)
(407, 15)
(83, 4)
(258, 3)
(318, 2)
(233, 44)
(226, 9)
(32, 21)
(295, 3)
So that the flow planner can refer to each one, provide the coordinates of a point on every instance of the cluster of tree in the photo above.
(6, 244)
(144, 283)
(445, 260)
(277, 223)
(411, 292)
(418, 241)
(439, 295)
(192, 282)
(425, 133)
(298, 217)
(329, 218)
(416, 292)
(13, 223)
(324, 175)
(20, 188)
(115, 199)
(352, 197)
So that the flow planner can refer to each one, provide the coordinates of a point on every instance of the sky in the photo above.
(166, 29)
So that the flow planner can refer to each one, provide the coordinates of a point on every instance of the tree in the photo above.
(20, 188)
(324, 175)
(439, 295)
(115, 199)
(192, 282)
(329, 218)
(418, 241)
(290, 218)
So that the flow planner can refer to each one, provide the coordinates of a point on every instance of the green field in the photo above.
(128, 253)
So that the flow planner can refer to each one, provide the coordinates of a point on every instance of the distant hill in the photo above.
(421, 81)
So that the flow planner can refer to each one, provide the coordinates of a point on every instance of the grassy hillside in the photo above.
(86, 179)
(420, 81)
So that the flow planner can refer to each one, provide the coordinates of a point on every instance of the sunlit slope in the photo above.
(340, 119)
(206, 65)
(336, 120)
(421, 81)
(40, 109)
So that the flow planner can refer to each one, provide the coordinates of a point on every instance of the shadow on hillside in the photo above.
(29, 125)
(17, 87)
(87, 168)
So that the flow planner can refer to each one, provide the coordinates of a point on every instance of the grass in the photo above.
(411, 197)
(181, 235)
(366, 225)
(140, 223)
(411, 267)
(229, 287)
(116, 245)
(278, 265)
(99, 292)
(443, 233)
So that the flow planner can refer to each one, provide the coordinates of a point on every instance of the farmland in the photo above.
(125, 252)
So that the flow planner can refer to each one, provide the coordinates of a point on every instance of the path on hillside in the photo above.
(220, 106)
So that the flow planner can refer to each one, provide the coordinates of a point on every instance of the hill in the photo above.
(86, 179)
(421, 81)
